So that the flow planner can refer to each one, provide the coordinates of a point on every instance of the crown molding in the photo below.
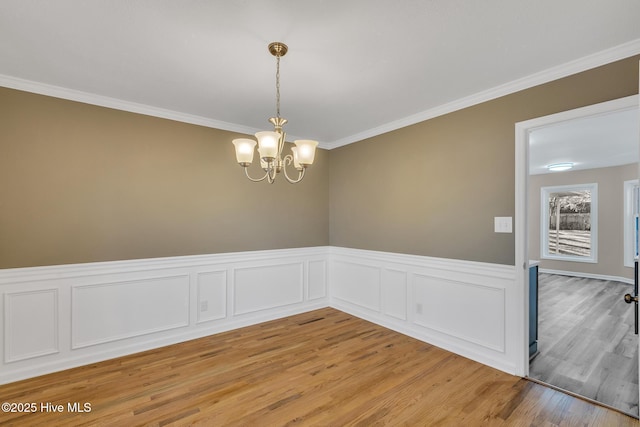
(601, 58)
(123, 105)
(592, 61)
(118, 104)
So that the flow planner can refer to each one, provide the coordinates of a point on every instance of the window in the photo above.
(569, 228)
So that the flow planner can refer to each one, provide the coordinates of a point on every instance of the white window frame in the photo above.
(629, 218)
(544, 222)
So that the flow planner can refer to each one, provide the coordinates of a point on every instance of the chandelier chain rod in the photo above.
(278, 86)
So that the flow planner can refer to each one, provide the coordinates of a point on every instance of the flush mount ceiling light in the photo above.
(559, 167)
(271, 143)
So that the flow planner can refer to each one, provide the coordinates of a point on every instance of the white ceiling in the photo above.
(355, 68)
(611, 139)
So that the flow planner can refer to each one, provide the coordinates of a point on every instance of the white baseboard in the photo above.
(587, 275)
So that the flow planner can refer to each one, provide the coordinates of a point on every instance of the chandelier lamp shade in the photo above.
(271, 143)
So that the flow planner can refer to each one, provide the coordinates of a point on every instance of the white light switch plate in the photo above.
(503, 224)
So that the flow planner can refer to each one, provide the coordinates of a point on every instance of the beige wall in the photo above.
(610, 218)
(81, 183)
(434, 188)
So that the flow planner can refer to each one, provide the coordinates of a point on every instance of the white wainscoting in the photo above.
(70, 315)
(460, 306)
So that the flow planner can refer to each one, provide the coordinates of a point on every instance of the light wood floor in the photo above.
(586, 340)
(323, 368)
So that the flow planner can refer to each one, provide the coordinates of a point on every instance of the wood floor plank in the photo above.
(586, 340)
(323, 368)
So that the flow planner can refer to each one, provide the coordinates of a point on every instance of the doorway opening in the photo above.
(583, 340)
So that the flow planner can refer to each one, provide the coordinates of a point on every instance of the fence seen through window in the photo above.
(568, 221)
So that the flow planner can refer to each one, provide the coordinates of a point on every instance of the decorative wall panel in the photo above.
(112, 311)
(31, 324)
(269, 286)
(356, 283)
(472, 312)
(394, 293)
(317, 281)
(212, 295)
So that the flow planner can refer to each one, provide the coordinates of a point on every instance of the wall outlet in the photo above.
(419, 308)
(204, 306)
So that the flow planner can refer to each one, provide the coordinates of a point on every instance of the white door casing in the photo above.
(522, 132)
(638, 176)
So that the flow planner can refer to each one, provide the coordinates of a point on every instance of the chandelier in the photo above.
(271, 143)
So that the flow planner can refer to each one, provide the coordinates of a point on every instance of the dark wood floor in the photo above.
(586, 340)
(323, 368)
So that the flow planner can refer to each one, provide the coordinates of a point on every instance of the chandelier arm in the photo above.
(246, 172)
(271, 173)
(288, 159)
